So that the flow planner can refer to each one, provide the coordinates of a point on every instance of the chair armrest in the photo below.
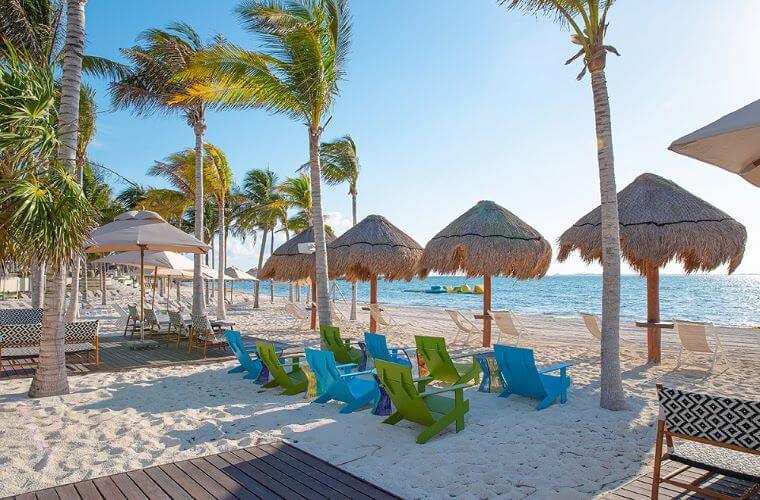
(345, 365)
(553, 368)
(460, 356)
(450, 388)
(287, 356)
(354, 374)
(422, 379)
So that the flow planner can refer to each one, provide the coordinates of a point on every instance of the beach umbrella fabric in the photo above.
(374, 247)
(731, 143)
(660, 222)
(237, 274)
(487, 240)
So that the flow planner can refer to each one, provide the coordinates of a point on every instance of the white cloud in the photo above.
(338, 222)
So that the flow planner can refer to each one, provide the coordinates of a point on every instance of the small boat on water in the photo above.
(456, 290)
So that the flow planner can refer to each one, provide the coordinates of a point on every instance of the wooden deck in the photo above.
(116, 355)
(276, 470)
(641, 487)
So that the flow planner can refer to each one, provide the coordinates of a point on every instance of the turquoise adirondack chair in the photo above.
(292, 382)
(520, 376)
(377, 346)
(440, 365)
(345, 387)
(253, 367)
(427, 408)
(340, 348)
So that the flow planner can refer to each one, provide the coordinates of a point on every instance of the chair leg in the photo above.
(547, 402)
(657, 461)
(324, 398)
(393, 419)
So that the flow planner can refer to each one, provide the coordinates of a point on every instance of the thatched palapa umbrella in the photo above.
(487, 240)
(374, 247)
(659, 222)
(291, 263)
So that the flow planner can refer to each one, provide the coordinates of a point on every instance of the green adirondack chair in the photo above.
(292, 382)
(439, 363)
(340, 348)
(427, 408)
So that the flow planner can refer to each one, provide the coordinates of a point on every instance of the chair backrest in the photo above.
(693, 335)
(397, 381)
(133, 311)
(268, 356)
(592, 325)
(723, 421)
(175, 319)
(377, 314)
(202, 325)
(506, 322)
(325, 370)
(81, 331)
(30, 334)
(377, 345)
(455, 317)
(20, 316)
(235, 341)
(518, 369)
(330, 336)
(151, 318)
(436, 357)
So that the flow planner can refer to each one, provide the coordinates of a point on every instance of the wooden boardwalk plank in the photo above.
(279, 476)
(147, 485)
(47, 494)
(258, 476)
(108, 488)
(245, 481)
(208, 483)
(166, 483)
(223, 479)
(67, 492)
(128, 487)
(88, 491)
(186, 482)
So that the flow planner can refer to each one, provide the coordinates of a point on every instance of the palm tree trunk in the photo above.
(199, 127)
(612, 396)
(257, 284)
(318, 221)
(352, 316)
(271, 282)
(221, 312)
(290, 285)
(38, 284)
(103, 298)
(73, 312)
(85, 281)
(50, 375)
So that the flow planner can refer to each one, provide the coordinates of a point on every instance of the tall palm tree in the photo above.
(588, 23)
(151, 85)
(296, 193)
(297, 74)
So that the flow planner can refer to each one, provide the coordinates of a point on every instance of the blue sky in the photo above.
(454, 101)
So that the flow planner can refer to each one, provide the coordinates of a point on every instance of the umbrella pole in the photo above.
(487, 311)
(653, 315)
(142, 294)
(372, 300)
(313, 303)
(153, 297)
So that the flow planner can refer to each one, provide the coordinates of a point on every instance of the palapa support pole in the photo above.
(372, 300)
(313, 303)
(179, 291)
(487, 311)
(155, 279)
(142, 293)
(654, 349)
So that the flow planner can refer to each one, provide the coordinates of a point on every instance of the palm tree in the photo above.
(296, 193)
(588, 24)
(305, 47)
(340, 164)
(151, 85)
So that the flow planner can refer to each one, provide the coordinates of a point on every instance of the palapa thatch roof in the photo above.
(287, 264)
(374, 247)
(659, 222)
(487, 240)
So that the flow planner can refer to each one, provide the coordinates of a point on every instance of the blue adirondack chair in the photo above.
(254, 367)
(347, 387)
(520, 376)
(377, 346)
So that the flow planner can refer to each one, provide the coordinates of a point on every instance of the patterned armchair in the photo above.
(22, 341)
(177, 328)
(204, 335)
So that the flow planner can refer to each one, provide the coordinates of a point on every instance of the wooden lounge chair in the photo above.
(153, 324)
(205, 336)
(693, 337)
(251, 367)
(377, 346)
(464, 325)
(133, 322)
(594, 327)
(346, 387)
(292, 382)
(178, 329)
(301, 317)
(520, 376)
(440, 365)
(429, 408)
(344, 353)
(22, 341)
(508, 325)
(121, 323)
(719, 435)
(387, 322)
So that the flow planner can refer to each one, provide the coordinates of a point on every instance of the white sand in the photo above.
(115, 422)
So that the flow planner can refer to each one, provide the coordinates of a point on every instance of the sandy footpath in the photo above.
(114, 422)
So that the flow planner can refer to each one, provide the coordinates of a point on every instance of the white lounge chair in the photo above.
(507, 324)
(386, 321)
(594, 327)
(464, 325)
(300, 316)
(693, 337)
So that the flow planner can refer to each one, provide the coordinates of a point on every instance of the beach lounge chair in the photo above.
(251, 367)
(133, 322)
(300, 316)
(153, 324)
(440, 365)
(377, 346)
(204, 335)
(594, 327)
(508, 325)
(428, 408)
(292, 382)
(712, 433)
(464, 325)
(387, 322)
(177, 329)
(344, 353)
(346, 387)
(693, 337)
(520, 376)
(123, 320)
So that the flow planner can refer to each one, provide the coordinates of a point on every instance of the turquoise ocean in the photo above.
(727, 300)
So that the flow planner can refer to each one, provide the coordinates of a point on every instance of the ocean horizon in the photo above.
(721, 299)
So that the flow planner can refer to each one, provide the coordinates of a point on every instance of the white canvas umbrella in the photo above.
(731, 143)
(237, 274)
(142, 230)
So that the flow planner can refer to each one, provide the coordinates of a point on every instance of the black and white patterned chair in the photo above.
(20, 316)
(22, 341)
(720, 435)
(178, 328)
(205, 336)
